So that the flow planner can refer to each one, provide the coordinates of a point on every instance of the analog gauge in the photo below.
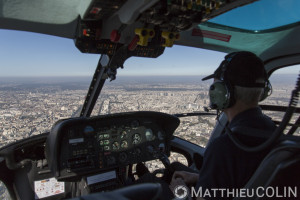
(101, 143)
(160, 135)
(115, 146)
(123, 134)
(136, 138)
(124, 144)
(100, 137)
(106, 148)
(149, 135)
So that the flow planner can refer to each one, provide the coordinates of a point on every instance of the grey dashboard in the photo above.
(85, 146)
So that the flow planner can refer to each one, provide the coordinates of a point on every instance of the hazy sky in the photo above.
(32, 54)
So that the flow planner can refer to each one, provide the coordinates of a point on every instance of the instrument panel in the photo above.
(85, 146)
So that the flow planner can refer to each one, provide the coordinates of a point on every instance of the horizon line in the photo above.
(87, 76)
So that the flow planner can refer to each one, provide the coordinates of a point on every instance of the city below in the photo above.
(30, 106)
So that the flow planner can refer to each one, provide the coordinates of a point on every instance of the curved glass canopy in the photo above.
(261, 15)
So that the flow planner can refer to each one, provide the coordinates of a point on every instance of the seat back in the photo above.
(278, 172)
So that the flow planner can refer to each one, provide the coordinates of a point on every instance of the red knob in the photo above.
(115, 36)
(133, 43)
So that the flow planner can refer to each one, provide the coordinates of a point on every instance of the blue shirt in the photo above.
(225, 166)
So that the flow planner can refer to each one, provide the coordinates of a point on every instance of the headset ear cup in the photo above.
(231, 97)
(219, 95)
(267, 91)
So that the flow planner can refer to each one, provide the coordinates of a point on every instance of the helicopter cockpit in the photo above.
(86, 154)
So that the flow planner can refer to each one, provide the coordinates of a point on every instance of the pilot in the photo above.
(239, 84)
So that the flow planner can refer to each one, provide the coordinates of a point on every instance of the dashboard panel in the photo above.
(85, 146)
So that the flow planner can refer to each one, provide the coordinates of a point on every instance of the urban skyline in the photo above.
(31, 106)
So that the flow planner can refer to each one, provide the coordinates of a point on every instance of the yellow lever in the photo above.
(144, 35)
(170, 37)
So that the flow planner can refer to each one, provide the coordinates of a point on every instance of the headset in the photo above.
(221, 92)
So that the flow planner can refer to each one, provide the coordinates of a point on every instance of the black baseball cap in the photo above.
(241, 68)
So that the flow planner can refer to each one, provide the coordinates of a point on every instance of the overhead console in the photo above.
(143, 27)
(86, 146)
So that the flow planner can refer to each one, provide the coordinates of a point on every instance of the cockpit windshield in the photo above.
(261, 15)
(40, 86)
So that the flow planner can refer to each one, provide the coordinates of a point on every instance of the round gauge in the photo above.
(100, 137)
(149, 135)
(123, 134)
(124, 144)
(115, 146)
(88, 130)
(160, 135)
(136, 138)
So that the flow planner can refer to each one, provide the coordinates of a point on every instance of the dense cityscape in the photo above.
(31, 108)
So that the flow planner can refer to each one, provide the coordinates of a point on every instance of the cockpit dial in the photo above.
(124, 144)
(160, 135)
(149, 135)
(136, 138)
(115, 146)
(123, 134)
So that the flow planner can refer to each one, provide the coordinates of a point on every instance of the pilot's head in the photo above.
(241, 78)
